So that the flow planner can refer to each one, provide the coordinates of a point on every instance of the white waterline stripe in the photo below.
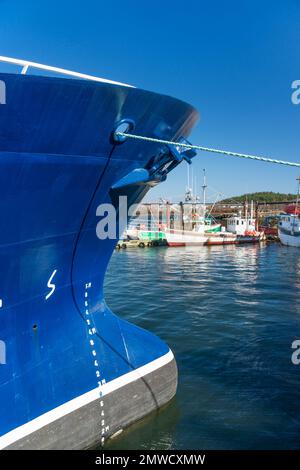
(78, 402)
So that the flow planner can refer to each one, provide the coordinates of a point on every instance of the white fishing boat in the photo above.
(239, 230)
(132, 233)
(244, 229)
(204, 229)
(289, 230)
(289, 224)
(196, 237)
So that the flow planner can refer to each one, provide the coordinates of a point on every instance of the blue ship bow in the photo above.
(74, 372)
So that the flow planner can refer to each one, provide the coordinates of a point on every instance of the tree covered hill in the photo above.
(267, 196)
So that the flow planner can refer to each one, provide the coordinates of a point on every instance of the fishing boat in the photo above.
(239, 230)
(270, 226)
(206, 232)
(203, 224)
(155, 237)
(131, 233)
(244, 229)
(197, 237)
(73, 373)
(289, 224)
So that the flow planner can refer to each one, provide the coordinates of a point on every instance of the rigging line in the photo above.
(208, 149)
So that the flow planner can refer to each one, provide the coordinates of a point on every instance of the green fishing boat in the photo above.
(151, 235)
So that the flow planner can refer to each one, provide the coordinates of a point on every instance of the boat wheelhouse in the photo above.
(241, 225)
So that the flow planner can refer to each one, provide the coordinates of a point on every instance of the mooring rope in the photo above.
(207, 149)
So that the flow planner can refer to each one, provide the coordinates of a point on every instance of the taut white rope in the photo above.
(207, 149)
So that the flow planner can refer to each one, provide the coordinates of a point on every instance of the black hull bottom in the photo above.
(81, 429)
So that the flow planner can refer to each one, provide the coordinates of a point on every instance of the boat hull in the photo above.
(288, 239)
(58, 165)
(190, 238)
(77, 427)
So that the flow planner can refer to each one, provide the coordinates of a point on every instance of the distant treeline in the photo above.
(260, 197)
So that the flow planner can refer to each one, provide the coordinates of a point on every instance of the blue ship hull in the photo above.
(66, 354)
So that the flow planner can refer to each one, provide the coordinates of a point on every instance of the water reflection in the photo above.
(230, 315)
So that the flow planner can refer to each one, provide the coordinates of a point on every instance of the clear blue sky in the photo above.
(233, 60)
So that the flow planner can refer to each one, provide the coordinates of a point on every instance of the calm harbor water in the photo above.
(230, 315)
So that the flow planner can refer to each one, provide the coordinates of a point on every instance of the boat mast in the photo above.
(298, 194)
(188, 175)
(204, 186)
(192, 183)
(188, 192)
(246, 213)
(251, 210)
(296, 206)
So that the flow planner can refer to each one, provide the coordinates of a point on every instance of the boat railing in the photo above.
(26, 64)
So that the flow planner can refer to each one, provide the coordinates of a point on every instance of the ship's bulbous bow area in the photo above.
(74, 373)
